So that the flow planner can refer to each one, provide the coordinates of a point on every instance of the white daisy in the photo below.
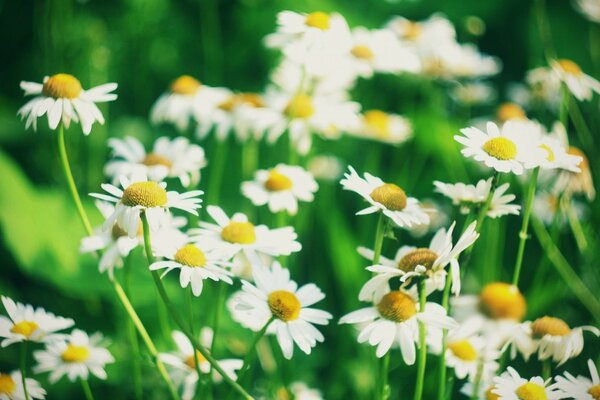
(394, 319)
(589, 8)
(473, 93)
(236, 235)
(383, 127)
(581, 85)
(11, 387)
(582, 387)
(62, 98)
(385, 197)
(176, 158)
(281, 188)
(556, 155)
(76, 357)
(277, 298)
(301, 391)
(325, 167)
(142, 196)
(510, 386)
(182, 363)
(508, 111)
(24, 323)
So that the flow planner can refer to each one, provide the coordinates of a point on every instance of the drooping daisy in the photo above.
(581, 85)
(510, 386)
(385, 197)
(62, 98)
(393, 319)
(281, 188)
(142, 196)
(383, 127)
(582, 387)
(24, 323)
(76, 357)
(236, 235)
(589, 8)
(182, 363)
(11, 387)
(277, 298)
(176, 158)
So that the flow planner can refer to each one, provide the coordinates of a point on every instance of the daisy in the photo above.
(281, 188)
(581, 85)
(194, 262)
(277, 300)
(301, 391)
(385, 197)
(394, 319)
(460, 61)
(582, 387)
(383, 127)
(236, 235)
(176, 158)
(508, 111)
(142, 196)
(11, 387)
(502, 149)
(24, 323)
(182, 363)
(589, 8)
(473, 93)
(62, 98)
(326, 167)
(510, 386)
(425, 36)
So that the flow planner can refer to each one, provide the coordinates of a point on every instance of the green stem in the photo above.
(488, 201)
(576, 228)
(379, 234)
(189, 300)
(544, 29)
(133, 338)
(422, 346)
(87, 391)
(525, 225)
(564, 105)
(216, 171)
(477, 383)
(24, 368)
(442, 360)
(385, 364)
(583, 131)
(250, 354)
(249, 157)
(215, 322)
(546, 369)
(177, 318)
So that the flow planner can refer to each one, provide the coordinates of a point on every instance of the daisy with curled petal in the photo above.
(385, 197)
(236, 235)
(511, 386)
(142, 196)
(581, 85)
(281, 188)
(62, 98)
(394, 319)
(173, 158)
(383, 127)
(11, 387)
(582, 387)
(276, 299)
(76, 357)
(24, 323)
(182, 363)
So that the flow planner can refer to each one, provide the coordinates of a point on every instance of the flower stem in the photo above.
(87, 391)
(576, 228)
(546, 369)
(477, 383)
(488, 201)
(249, 157)
(215, 323)
(189, 300)
(216, 171)
(24, 368)
(442, 360)
(385, 363)
(583, 131)
(422, 360)
(177, 318)
(525, 225)
(250, 354)
(133, 338)
(379, 234)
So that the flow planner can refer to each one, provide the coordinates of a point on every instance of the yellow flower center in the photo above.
(594, 391)
(569, 67)
(25, 328)
(191, 360)
(508, 111)
(250, 99)
(489, 395)
(154, 159)
(118, 232)
(378, 121)
(500, 148)
(390, 195)
(363, 52)
(146, 194)
(318, 19)
(421, 256)
(7, 385)
(277, 181)
(413, 30)
(531, 391)
(464, 350)
(584, 164)
(549, 326)
(62, 86)
(300, 106)
(191, 256)
(284, 305)
(239, 232)
(397, 306)
(502, 300)
(74, 354)
(550, 156)
(185, 85)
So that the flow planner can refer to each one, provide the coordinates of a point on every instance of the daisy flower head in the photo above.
(62, 98)
(387, 198)
(580, 387)
(473, 93)
(499, 300)
(24, 323)
(383, 127)
(276, 299)
(172, 158)
(508, 111)
(424, 35)
(76, 357)
(511, 386)
(140, 195)
(11, 387)
(589, 8)
(581, 85)
(236, 235)
(326, 167)
(393, 319)
(302, 391)
(281, 188)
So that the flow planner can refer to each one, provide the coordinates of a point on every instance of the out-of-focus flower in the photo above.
(301, 391)
(582, 387)
(589, 8)
(383, 127)
(437, 218)
(473, 93)
(546, 205)
(325, 167)
(509, 111)
(581, 85)
(11, 387)
(510, 386)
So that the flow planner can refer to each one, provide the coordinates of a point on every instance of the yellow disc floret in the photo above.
(284, 305)
(277, 181)
(191, 256)
(501, 300)
(7, 385)
(62, 86)
(25, 328)
(531, 391)
(146, 194)
(190, 361)
(154, 159)
(550, 156)
(463, 349)
(185, 85)
(594, 391)
(397, 306)
(363, 52)
(239, 232)
(570, 67)
(508, 111)
(300, 106)
(489, 395)
(391, 196)
(74, 354)
(549, 326)
(412, 30)
(422, 256)
(378, 121)
(319, 20)
(501, 148)
(250, 99)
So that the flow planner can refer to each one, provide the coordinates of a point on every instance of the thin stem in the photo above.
(576, 228)
(546, 369)
(24, 368)
(87, 391)
(379, 234)
(133, 338)
(216, 171)
(249, 157)
(564, 105)
(477, 383)
(215, 323)
(385, 364)
(442, 360)
(544, 28)
(488, 201)
(177, 318)
(525, 225)
(189, 300)
(250, 354)
(583, 131)
(422, 360)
